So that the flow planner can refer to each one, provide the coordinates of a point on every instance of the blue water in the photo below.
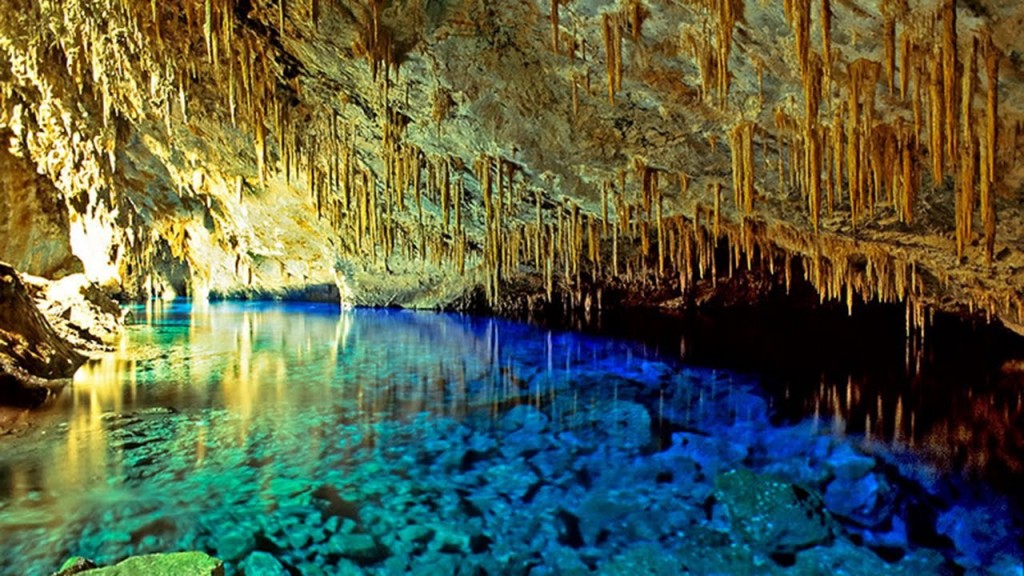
(305, 439)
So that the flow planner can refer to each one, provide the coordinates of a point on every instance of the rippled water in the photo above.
(393, 441)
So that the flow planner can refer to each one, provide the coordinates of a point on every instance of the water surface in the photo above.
(394, 441)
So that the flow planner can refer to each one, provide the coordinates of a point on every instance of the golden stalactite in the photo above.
(703, 52)
(812, 84)
(949, 75)
(716, 191)
(714, 64)
(965, 193)
(826, 36)
(889, 47)
(375, 41)
(814, 151)
(936, 121)
(967, 88)
(829, 166)
(636, 19)
(909, 180)
(988, 209)
(906, 50)
(742, 150)
(604, 206)
(987, 148)
(554, 26)
(798, 13)
(992, 57)
(612, 28)
(575, 97)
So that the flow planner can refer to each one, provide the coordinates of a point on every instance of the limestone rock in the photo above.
(31, 352)
(772, 516)
(173, 564)
(360, 548)
(261, 563)
(866, 500)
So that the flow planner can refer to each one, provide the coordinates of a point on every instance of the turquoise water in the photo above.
(298, 438)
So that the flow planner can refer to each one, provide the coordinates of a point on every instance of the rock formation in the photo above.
(46, 331)
(31, 352)
(565, 151)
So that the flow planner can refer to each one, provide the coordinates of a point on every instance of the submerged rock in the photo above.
(173, 564)
(980, 535)
(866, 500)
(360, 548)
(772, 516)
(75, 565)
(261, 563)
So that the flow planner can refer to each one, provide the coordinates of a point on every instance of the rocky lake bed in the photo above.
(605, 464)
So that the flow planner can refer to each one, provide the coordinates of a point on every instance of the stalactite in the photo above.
(814, 171)
(612, 29)
(445, 194)
(992, 57)
(742, 150)
(208, 28)
(936, 123)
(949, 75)
(987, 147)
(260, 135)
(889, 45)
(575, 97)
(988, 210)
(826, 36)
(909, 181)
(538, 230)
(604, 207)
(554, 26)
(829, 160)
(905, 66)
(800, 19)
(661, 231)
(716, 190)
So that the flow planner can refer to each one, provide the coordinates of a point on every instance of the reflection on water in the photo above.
(267, 386)
(221, 414)
(957, 398)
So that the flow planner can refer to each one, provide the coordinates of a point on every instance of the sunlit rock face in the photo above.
(33, 224)
(422, 153)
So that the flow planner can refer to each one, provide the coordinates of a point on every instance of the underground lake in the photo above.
(299, 438)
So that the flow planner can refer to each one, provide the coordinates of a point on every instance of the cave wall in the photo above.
(424, 152)
(34, 232)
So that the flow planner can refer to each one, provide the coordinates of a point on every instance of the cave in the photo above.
(521, 287)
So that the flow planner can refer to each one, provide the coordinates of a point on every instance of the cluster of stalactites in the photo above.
(877, 159)
(712, 57)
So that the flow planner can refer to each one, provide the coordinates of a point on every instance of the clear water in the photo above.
(395, 441)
